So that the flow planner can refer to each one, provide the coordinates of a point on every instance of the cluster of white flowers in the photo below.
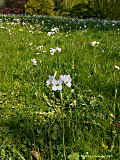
(53, 50)
(57, 84)
(53, 31)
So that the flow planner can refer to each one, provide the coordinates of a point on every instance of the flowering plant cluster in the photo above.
(57, 84)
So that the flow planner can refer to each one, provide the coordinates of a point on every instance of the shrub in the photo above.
(39, 7)
(109, 9)
(103, 9)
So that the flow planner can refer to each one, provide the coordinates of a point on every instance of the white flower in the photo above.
(58, 49)
(12, 23)
(56, 85)
(17, 20)
(40, 47)
(24, 23)
(50, 33)
(94, 43)
(30, 31)
(30, 44)
(52, 51)
(42, 22)
(55, 29)
(34, 61)
(117, 67)
(51, 78)
(37, 53)
(66, 79)
(44, 51)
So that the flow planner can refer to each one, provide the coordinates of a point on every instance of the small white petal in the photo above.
(59, 87)
(54, 88)
(48, 82)
(117, 67)
(58, 49)
(68, 84)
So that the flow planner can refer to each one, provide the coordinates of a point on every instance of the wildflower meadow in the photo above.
(59, 88)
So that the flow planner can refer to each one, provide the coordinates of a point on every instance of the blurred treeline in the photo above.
(104, 9)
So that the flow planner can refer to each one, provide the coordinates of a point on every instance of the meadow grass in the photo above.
(78, 122)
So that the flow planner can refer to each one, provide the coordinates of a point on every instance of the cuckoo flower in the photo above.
(56, 85)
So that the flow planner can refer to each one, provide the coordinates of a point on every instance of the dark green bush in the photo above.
(103, 9)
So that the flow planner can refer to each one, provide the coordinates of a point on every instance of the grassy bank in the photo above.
(79, 121)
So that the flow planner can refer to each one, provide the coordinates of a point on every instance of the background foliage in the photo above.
(103, 9)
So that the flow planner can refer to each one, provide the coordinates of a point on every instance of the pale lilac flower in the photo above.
(66, 79)
(51, 78)
(34, 61)
(56, 85)
(48, 82)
